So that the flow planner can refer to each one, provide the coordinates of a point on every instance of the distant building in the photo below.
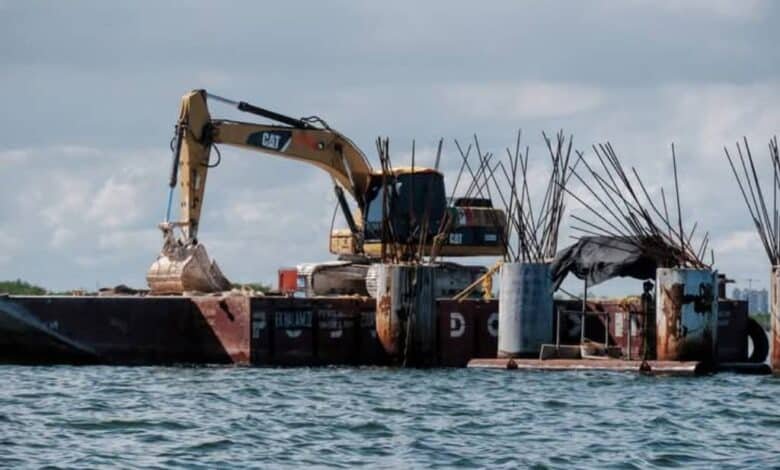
(758, 299)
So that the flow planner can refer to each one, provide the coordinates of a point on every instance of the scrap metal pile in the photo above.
(627, 212)
(531, 233)
(407, 243)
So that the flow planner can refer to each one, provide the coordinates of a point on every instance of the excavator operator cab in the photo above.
(412, 202)
(415, 207)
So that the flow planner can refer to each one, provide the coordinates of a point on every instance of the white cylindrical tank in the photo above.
(525, 309)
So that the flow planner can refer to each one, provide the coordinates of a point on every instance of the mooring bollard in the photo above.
(774, 315)
(686, 315)
(525, 309)
(406, 312)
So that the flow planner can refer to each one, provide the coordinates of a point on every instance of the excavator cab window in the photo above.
(414, 200)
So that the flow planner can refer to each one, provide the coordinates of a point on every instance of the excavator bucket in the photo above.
(185, 269)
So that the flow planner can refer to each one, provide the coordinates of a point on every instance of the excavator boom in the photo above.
(183, 264)
(322, 147)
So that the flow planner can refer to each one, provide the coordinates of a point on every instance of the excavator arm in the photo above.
(183, 264)
(298, 140)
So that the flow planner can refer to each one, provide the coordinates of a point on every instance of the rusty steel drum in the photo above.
(406, 313)
(686, 315)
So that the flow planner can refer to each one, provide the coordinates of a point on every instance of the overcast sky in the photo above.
(90, 94)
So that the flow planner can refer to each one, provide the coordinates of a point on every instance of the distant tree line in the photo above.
(19, 287)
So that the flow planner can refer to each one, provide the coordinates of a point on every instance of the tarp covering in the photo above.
(601, 258)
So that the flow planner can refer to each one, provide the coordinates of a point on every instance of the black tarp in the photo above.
(601, 258)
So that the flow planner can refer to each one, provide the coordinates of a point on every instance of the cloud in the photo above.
(743, 10)
(525, 100)
(740, 240)
(83, 172)
(115, 204)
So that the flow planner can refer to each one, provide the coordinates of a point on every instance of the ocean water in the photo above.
(220, 417)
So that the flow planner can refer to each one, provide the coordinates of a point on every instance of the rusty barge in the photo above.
(290, 331)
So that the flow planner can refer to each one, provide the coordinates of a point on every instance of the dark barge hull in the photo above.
(238, 329)
(276, 331)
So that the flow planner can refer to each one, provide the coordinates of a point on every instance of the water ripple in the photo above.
(209, 417)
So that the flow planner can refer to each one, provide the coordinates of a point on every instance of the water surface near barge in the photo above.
(250, 417)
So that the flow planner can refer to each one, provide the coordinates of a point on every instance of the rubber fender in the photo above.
(760, 341)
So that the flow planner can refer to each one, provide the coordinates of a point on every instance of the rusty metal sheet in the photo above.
(229, 319)
(388, 326)
(456, 332)
(627, 326)
(686, 315)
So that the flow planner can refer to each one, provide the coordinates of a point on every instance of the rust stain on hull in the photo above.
(229, 318)
(388, 327)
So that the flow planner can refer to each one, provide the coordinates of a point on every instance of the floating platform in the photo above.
(290, 331)
(687, 368)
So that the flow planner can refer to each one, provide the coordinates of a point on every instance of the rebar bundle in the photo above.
(532, 232)
(396, 246)
(625, 210)
(767, 225)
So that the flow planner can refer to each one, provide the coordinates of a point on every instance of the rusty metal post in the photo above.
(686, 315)
(525, 309)
(406, 312)
(774, 308)
(629, 332)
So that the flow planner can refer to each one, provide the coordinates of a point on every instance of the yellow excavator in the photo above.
(390, 203)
